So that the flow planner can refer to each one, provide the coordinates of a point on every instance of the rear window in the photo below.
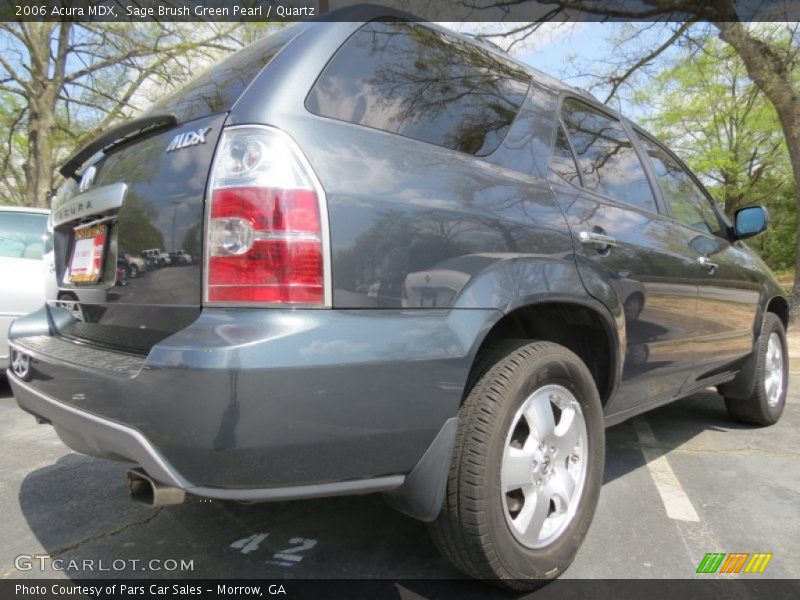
(415, 81)
(217, 89)
(22, 235)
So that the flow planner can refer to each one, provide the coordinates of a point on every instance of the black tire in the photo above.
(126, 275)
(134, 271)
(756, 409)
(471, 531)
(633, 306)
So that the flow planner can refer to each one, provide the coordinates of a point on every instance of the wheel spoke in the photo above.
(773, 385)
(567, 434)
(530, 520)
(540, 417)
(516, 469)
(562, 486)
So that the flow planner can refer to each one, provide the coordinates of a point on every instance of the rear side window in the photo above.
(415, 81)
(22, 235)
(687, 202)
(218, 89)
(607, 161)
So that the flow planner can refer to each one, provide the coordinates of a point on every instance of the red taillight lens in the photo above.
(265, 235)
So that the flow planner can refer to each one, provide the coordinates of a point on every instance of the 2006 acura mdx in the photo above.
(428, 271)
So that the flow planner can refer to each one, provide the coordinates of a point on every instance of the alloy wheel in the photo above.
(773, 370)
(544, 466)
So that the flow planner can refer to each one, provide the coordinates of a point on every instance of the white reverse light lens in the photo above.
(230, 236)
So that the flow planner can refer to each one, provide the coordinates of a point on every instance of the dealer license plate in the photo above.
(86, 264)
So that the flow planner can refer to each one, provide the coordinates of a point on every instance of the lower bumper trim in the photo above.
(90, 434)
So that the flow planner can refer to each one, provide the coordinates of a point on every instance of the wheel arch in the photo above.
(583, 326)
(743, 384)
(779, 306)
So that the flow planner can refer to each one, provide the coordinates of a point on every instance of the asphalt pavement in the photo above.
(681, 481)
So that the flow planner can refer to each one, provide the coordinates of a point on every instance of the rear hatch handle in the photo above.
(115, 136)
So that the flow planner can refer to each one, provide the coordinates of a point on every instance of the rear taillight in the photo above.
(265, 241)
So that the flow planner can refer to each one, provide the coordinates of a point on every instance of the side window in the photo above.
(415, 81)
(563, 161)
(22, 235)
(607, 161)
(687, 202)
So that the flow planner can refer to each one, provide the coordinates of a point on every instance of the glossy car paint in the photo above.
(249, 399)
(430, 247)
(163, 207)
(652, 278)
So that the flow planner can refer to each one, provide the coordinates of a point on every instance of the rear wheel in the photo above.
(70, 301)
(123, 275)
(765, 405)
(527, 466)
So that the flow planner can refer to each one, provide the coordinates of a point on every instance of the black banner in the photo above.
(427, 10)
(433, 589)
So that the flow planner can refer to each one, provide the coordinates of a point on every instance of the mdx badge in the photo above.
(188, 138)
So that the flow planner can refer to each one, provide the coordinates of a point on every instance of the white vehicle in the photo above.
(23, 232)
(158, 256)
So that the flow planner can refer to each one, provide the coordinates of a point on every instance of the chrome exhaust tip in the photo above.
(150, 492)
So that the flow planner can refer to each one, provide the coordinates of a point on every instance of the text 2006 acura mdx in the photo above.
(428, 271)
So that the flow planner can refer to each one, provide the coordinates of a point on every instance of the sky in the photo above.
(563, 50)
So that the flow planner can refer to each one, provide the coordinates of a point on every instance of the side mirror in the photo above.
(750, 221)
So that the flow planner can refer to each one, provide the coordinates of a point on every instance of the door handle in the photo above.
(707, 263)
(601, 240)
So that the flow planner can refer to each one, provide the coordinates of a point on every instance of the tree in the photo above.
(773, 63)
(770, 53)
(703, 105)
(62, 83)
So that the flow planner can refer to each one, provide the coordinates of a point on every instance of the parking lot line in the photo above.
(676, 502)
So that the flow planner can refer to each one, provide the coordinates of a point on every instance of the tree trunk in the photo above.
(794, 156)
(773, 76)
(39, 165)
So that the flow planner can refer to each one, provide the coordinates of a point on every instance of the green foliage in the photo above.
(778, 245)
(703, 105)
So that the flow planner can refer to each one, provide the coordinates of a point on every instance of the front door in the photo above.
(727, 274)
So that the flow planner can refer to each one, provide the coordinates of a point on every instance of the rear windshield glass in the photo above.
(22, 235)
(217, 89)
(421, 83)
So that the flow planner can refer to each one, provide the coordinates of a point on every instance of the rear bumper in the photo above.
(90, 434)
(261, 404)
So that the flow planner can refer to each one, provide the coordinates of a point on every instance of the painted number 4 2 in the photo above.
(288, 557)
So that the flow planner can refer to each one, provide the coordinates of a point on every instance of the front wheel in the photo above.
(765, 405)
(527, 466)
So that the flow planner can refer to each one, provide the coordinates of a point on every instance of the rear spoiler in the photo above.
(115, 136)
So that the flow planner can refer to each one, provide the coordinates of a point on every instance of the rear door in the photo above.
(624, 244)
(727, 275)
